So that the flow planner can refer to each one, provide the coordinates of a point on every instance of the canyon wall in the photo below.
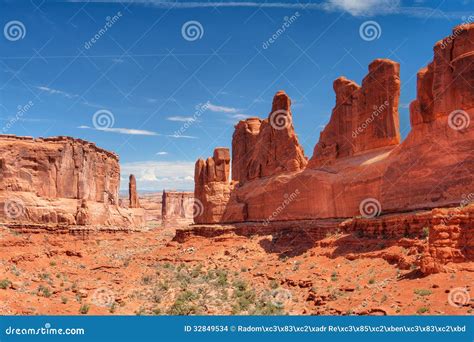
(60, 180)
(359, 167)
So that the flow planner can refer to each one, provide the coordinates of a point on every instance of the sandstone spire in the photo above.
(132, 193)
(267, 147)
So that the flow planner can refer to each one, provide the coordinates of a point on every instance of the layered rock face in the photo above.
(177, 207)
(253, 144)
(364, 117)
(359, 166)
(132, 193)
(212, 188)
(445, 85)
(60, 181)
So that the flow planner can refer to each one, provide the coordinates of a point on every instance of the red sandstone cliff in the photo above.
(364, 117)
(359, 166)
(60, 180)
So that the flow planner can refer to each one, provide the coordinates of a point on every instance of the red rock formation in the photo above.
(177, 207)
(364, 118)
(451, 238)
(262, 148)
(132, 193)
(360, 151)
(212, 188)
(445, 85)
(433, 165)
(60, 180)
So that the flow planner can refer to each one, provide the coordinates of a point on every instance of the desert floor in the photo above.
(146, 273)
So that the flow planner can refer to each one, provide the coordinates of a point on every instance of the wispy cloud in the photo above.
(353, 7)
(159, 175)
(181, 118)
(240, 116)
(52, 91)
(161, 153)
(133, 131)
(179, 136)
(128, 131)
(221, 109)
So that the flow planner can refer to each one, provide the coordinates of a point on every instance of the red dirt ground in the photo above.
(148, 273)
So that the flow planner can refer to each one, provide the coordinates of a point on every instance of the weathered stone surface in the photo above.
(132, 193)
(212, 187)
(364, 117)
(445, 85)
(60, 180)
(177, 207)
(262, 148)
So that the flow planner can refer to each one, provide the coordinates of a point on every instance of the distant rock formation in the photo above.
(254, 152)
(60, 180)
(132, 193)
(359, 167)
(177, 207)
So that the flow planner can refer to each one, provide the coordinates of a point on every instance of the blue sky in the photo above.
(144, 77)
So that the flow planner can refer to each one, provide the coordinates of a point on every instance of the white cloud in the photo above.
(366, 7)
(128, 131)
(354, 7)
(180, 136)
(221, 109)
(161, 153)
(52, 91)
(181, 118)
(240, 116)
(159, 175)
